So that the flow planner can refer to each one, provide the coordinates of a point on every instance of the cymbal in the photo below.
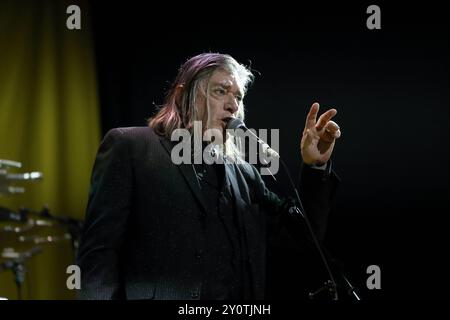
(45, 239)
(7, 178)
(4, 189)
(11, 258)
(23, 220)
(10, 253)
(34, 175)
(16, 226)
(10, 163)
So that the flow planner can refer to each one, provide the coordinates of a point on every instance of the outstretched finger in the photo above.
(324, 118)
(311, 118)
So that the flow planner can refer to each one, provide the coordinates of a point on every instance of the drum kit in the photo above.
(25, 233)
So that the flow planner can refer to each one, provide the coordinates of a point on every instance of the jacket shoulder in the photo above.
(132, 135)
(131, 132)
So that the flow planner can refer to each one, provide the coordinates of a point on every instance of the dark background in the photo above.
(390, 88)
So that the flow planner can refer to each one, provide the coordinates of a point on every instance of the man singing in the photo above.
(159, 230)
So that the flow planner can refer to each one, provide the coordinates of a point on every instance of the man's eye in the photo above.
(221, 91)
(239, 98)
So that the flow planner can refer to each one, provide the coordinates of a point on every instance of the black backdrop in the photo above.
(390, 87)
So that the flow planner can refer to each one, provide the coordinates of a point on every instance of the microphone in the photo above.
(236, 123)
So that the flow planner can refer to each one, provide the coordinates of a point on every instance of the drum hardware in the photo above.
(9, 164)
(46, 239)
(6, 178)
(17, 227)
(16, 263)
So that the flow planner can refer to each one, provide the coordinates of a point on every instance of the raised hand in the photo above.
(319, 136)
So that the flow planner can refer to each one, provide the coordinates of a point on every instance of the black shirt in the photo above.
(223, 260)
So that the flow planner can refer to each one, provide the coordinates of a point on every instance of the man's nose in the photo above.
(232, 104)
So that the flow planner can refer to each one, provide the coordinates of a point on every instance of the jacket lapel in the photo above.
(235, 184)
(189, 175)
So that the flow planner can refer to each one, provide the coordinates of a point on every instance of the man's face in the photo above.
(225, 95)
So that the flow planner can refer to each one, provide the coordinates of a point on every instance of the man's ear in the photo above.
(179, 92)
(179, 89)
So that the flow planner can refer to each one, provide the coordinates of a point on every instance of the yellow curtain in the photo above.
(49, 121)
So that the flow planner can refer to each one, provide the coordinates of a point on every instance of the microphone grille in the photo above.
(236, 123)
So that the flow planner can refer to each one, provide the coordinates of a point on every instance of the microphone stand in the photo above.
(19, 270)
(294, 211)
(350, 289)
(17, 266)
(331, 284)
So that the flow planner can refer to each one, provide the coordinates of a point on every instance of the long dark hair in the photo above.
(179, 109)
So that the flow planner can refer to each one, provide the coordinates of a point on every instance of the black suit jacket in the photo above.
(143, 236)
